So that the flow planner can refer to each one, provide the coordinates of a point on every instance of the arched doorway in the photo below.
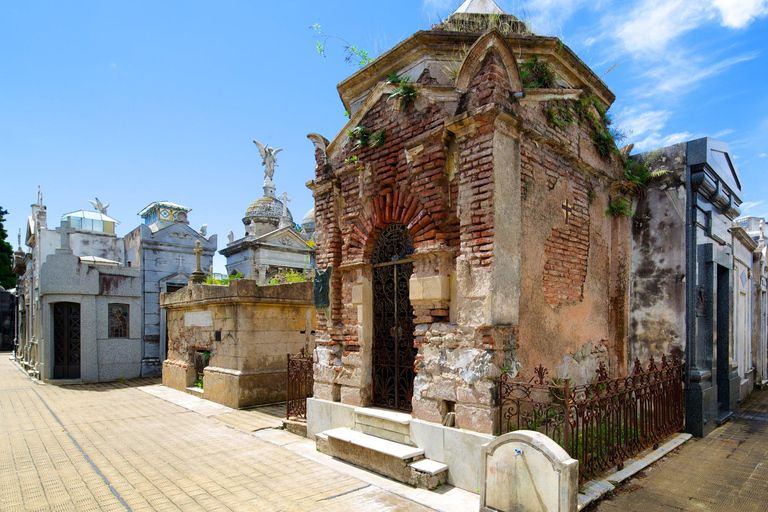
(66, 340)
(393, 350)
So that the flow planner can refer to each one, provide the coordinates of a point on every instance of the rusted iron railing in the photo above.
(300, 383)
(602, 423)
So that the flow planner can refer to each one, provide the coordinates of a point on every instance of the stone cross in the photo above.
(198, 252)
(285, 200)
(181, 261)
(567, 211)
(198, 276)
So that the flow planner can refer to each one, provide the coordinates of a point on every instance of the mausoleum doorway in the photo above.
(393, 350)
(66, 340)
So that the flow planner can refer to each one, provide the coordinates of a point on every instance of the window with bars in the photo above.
(118, 320)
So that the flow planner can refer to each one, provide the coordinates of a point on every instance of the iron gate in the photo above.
(66, 340)
(300, 384)
(393, 350)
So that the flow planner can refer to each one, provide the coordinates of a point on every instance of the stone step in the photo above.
(398, 461)
(390, 425)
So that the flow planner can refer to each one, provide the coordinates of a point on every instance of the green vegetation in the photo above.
(637, 175)
(587, 110)
(362, 137)
(406, 91)
(619, 207)
(224, 282)
(7, 278)
(352, 54)
(537, 74)
(289, 276)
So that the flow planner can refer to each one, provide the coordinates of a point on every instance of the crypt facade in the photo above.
(461, 225)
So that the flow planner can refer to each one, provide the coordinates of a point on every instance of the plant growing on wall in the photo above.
(352, 54)
(406, 91)
(619, 207)
(537, 74)
(289, 276)
(637, 175)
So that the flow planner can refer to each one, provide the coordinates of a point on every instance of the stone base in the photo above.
(151, 367)
(459, 449)
(296, 427)
(239, 389)
(178, 374)
(399, 462)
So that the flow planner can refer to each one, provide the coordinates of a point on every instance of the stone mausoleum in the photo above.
(88, 300)
(461, 233)
(686, 277)
(271, 244)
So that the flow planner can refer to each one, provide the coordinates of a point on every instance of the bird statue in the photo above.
(204, 230)
(99, 206)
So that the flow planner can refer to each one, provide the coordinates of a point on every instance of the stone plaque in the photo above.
(323, 288)
(198, 319)
(528, 471)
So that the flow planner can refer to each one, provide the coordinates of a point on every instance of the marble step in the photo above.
(391, 425)
(401, 462)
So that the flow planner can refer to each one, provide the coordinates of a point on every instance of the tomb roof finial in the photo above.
(479, 7)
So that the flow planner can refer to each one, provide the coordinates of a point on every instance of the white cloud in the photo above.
(639, 121)
(681, 73)
(546, 17)
(652, 25)
(751, 205)
(763, 155)
(655, 140)
(722, 133)
(740, 13)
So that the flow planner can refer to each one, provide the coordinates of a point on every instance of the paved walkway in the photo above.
(128, 446)
(728, 470)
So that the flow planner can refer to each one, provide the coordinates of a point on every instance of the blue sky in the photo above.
(139, 101)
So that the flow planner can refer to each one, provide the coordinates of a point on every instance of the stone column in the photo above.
(262, 269)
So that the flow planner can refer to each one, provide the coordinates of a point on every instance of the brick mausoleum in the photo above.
(465, 224)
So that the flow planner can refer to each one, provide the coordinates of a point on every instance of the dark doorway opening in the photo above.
(66, 340)
(393, 350)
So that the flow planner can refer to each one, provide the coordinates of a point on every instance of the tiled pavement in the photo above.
(728, 470)
(113, 447)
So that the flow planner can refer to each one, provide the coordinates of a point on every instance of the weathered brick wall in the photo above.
(436, 173)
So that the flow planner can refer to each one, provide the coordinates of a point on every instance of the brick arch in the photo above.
(390, 207)
(495, 44)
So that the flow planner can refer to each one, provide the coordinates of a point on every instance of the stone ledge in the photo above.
(375, 444)
(598, 487)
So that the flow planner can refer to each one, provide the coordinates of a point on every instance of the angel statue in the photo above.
(99, 206)
(268, 155)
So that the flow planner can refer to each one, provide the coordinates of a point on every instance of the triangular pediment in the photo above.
(284, 237)
(180, 234)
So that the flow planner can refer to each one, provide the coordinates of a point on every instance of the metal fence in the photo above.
(602, 423)
(300, 384)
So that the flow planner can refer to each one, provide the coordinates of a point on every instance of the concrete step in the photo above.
(390, 425)
(401, 462)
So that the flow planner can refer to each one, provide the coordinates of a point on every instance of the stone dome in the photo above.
(308, 223)
(266, 209)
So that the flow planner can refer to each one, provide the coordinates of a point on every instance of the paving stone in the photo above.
(725, 471)
(156, 455)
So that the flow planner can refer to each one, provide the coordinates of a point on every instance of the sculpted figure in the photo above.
(269, 160)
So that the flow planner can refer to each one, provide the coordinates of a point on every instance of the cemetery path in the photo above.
(112, 447)
(726, 471)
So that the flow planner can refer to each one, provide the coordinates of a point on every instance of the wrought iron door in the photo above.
(66, 340)
(393, 350)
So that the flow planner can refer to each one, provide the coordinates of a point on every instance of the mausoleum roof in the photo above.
(166, 204)
(266, 209)
(479, 7)
(308, 222)
(83, 214)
